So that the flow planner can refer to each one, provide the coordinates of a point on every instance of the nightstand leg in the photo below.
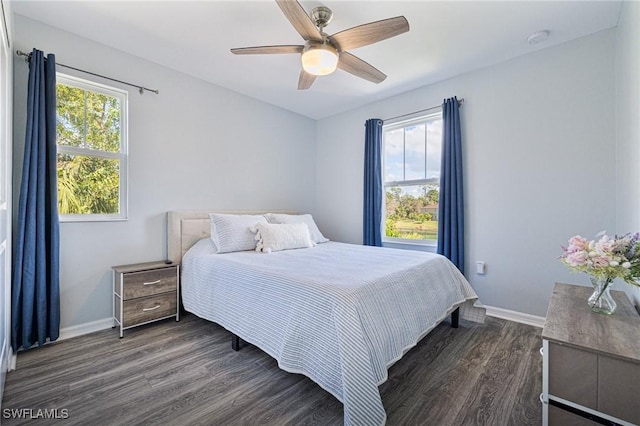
(113, 305)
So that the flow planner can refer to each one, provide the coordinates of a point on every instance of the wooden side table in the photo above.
(591, 361)
(145, 292)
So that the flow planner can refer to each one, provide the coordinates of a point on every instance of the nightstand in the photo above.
(591, 361)
(145, 292)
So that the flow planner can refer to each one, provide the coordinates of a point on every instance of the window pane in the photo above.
(70, 117)
(394, 155)
(415, 154)
(88, 185)
(103, 122)
(412, 212)
(434, 149)
(412, 156)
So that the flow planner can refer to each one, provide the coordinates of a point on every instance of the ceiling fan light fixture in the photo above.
(321, 54)
(319, 58)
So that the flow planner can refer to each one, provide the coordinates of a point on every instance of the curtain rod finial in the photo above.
(27, 56)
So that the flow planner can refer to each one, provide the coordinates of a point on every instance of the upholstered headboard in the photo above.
(186, 227)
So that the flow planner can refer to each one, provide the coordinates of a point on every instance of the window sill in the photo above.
(91, 218)
(404, 245)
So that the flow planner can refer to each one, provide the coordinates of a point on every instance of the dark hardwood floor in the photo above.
(185, 373)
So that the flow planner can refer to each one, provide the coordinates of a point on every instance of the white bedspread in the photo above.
(340, 314)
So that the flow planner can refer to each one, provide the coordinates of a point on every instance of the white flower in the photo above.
(626, 265)
(613, 263)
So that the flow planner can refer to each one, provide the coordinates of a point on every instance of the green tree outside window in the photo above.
(90, 158)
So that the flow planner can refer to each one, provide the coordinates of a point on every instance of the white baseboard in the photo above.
(86, 328)
(521, 317)
(103, 324)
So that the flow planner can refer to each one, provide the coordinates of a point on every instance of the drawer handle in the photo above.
(150, 309)
(152, 282)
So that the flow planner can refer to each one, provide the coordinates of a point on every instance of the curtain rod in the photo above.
(460, 102)
(141, 89)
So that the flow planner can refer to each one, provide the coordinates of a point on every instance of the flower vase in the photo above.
(601, 300)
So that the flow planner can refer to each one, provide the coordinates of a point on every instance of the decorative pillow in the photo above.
(281, 236)
(315, 233)
(230, 232)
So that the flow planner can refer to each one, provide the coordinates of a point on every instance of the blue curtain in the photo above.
(451, 205)
(35, 297)
(372, 209)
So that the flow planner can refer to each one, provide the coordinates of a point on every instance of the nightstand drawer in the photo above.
(147, 283)
(617, 380)
(573, 375)
(144, 309)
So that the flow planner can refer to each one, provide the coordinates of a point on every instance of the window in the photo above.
(411, 167)
(92, 150)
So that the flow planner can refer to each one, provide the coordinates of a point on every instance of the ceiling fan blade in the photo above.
(370, 33)
(265, 50)
(306, 80)
(356, 66)
(299, 19)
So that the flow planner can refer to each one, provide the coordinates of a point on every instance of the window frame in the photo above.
(121, 156)
(401, 123)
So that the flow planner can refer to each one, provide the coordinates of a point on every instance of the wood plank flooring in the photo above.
(185, 373)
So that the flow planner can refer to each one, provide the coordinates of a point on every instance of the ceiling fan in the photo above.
(321, 54)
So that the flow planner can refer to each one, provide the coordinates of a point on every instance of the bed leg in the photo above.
(235, 342)
(455, 318)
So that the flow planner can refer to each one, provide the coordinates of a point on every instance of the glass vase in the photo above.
(601, 300)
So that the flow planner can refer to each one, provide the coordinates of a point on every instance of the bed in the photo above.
(341, 314)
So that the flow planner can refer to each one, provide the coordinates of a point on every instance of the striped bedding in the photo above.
(338, 313)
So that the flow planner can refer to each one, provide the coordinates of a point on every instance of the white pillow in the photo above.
(316, 235)
(281, 236)
(230, 232)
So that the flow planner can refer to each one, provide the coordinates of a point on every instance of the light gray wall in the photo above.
(628, 122)
(195, 145)
(538, 137)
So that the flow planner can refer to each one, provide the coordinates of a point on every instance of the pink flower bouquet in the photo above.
(605, 258)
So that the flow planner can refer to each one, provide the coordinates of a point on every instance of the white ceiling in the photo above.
(446, 38)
